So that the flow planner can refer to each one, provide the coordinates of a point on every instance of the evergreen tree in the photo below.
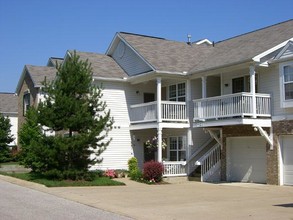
(5, 139)
(73, 109)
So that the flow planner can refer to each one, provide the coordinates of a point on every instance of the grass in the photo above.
(9, 163)
(98, 181)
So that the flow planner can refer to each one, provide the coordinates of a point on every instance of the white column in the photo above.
(160, 143)
(159, 118)
(188, 100)
(189, 107)
(204, 87)
(159, 100)
(252, 89)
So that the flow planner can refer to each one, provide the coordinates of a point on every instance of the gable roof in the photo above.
(179, 57)
(244, 47)
(8, 103)
(102, 65)
(165, 55)
(53, 60)
(37, 74)
(40, 73)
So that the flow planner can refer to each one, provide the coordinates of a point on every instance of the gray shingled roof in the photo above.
(102, 65)
(166, 55)
(244, 47)
(39, 73)
(54, 60)
(8, 103)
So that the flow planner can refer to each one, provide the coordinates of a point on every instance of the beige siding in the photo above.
(269, 83)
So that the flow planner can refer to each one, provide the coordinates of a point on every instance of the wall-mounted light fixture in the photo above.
(226, 84)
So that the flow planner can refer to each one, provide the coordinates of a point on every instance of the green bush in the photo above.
(136, 175)
(69, 175)
(134, 171)
(53, 174)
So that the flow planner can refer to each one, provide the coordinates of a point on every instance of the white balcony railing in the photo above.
(233, 105)
(147, 112)
(174, 168)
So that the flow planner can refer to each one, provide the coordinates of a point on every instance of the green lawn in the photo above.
(98, 181)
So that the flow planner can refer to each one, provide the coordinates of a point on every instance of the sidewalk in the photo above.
(188, 200)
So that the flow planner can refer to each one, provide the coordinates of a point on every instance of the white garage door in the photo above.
(246, 159)
(287, 144)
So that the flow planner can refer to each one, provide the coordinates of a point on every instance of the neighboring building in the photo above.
(29, 88)
(8, 107)
(223, 108)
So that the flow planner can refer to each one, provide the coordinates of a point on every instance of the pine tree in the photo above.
(5, 139)
(73, 109)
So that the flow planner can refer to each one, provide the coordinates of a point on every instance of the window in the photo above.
(177, 146)
(177, 92)
(26, 102)
(242, 84)
(286, 84)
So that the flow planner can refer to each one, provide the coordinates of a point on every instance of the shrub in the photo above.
(98, 173)
(132, 164)
(134, 172)
(153, 171)
(110, 173)
(55, 174)
(136, 175)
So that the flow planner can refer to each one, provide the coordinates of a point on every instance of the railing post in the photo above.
(252, 89)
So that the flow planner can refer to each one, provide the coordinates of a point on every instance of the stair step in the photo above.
(193, 178)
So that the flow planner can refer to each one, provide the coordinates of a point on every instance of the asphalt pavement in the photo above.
(17, 202)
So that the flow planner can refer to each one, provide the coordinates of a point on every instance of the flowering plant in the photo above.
(153, 143)
(110, 173)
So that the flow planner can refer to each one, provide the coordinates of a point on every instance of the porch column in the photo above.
(160, 159)
(203, 87)
(159, 100)
(252, 89)
(189, 106)
(159, 118)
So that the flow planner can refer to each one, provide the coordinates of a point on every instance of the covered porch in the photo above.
(237, 101)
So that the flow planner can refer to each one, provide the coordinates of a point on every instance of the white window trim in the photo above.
(284, 103)
(184, 142)
(177, 97)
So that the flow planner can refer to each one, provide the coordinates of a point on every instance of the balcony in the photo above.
(147, 112)
(239, 108)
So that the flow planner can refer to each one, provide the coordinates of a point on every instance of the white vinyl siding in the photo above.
(118, 152)
(13, 129)
(129, 60)
(119, 97)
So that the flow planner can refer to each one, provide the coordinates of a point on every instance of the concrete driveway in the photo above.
(188, 200)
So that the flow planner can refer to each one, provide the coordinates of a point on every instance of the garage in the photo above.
(287, 153)
(246, 159)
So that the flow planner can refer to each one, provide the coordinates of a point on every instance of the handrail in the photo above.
(195, 153)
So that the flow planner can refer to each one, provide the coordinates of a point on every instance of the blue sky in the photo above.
(31, 31)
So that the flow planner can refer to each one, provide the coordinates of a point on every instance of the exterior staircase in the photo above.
(205, 164)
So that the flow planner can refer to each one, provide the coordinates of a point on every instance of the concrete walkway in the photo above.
(188, 200)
